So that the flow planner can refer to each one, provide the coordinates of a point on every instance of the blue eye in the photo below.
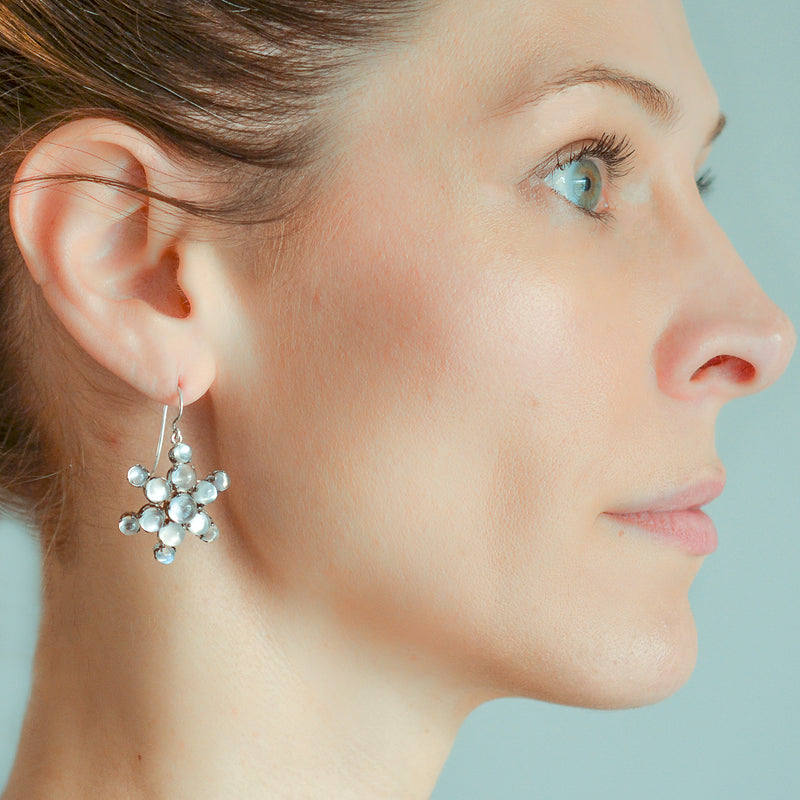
(580, 182)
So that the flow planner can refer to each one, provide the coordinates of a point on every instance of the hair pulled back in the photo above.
(241, 86)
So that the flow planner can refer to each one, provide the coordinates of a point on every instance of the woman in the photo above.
(436, 287)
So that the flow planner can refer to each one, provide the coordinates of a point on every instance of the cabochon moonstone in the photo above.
(180, 453)
(205, 493)
(211, 534)
(163, 554)
(171, 534)
(182, 508)
(183, 477)
(128, 524)
(221, 480)
(151, 518)
(200, 524)
(138, 475)
(156, 490)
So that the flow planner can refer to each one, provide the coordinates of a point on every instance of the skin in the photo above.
(427, 407)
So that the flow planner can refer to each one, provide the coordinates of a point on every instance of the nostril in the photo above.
(731, 368)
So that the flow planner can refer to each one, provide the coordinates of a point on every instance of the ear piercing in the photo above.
(175, 504)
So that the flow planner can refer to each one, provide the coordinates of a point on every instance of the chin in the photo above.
(651, 666)
(658, 674)
(612, 669)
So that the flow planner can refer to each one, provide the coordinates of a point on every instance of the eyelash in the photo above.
(617, 155)
(705, 182)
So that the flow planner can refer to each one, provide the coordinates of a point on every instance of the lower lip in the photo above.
(691, 530)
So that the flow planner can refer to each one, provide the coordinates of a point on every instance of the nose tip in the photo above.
(772, 352)
(782, 347)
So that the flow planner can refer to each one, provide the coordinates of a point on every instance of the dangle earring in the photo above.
(175, 504)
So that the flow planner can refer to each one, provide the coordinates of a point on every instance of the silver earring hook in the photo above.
(176, 434)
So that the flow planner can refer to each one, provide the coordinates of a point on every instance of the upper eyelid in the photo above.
(556, 160)
(616, 154)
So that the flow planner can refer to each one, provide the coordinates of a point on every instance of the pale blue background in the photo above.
(732, 732)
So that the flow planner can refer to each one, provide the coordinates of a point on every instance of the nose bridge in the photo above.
(725, 337)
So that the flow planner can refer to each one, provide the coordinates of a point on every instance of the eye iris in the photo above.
(579, 182)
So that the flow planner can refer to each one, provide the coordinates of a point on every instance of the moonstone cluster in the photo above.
(175, 504)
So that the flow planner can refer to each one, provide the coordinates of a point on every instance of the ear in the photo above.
(119, 269)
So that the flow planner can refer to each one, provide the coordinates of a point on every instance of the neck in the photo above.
(193, 681)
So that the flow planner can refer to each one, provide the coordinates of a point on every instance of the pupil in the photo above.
(583, 184)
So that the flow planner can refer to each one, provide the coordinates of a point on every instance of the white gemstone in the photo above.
(211, 534)
(171, 534)
(151, 518)
(221, 480)
(205, 493)
(164, 555)
(183, 477)
(138, 475)
(156, 490)
(128, 524)
(200, 524)
(180, 453)
(182, 508)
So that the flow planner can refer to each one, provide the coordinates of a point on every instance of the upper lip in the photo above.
(685, 498)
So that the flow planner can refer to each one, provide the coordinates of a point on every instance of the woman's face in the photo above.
(510, 316)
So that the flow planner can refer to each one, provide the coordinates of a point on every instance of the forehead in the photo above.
(496, 50)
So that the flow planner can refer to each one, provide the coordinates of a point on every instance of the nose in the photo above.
(725, 338)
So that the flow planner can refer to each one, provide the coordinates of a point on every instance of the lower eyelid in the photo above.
(549, 201)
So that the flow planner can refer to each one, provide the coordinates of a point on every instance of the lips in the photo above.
(675, 517)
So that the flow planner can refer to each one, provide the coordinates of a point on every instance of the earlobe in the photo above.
(114, 264)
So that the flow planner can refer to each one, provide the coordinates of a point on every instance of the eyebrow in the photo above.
(660, 104)
(722, 121)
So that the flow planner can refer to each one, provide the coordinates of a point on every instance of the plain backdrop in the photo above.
(732, 732)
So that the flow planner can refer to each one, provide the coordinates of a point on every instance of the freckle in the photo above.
(621, 532)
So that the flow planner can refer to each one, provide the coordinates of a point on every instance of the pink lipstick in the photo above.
(676, 517)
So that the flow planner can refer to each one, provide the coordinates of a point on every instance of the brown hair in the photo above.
(242, 86)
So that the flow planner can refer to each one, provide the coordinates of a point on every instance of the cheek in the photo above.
(403, 373)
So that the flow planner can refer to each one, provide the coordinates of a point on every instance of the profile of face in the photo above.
(468, 405)
(509, 322)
